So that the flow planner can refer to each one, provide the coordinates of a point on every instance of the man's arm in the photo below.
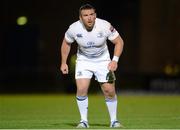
(118, 42)
(65, 49)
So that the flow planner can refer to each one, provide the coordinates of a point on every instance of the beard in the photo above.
(89, 27)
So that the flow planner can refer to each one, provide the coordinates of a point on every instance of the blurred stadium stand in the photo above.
(30, 55)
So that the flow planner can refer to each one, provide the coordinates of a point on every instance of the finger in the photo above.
(65, 71)
(112, 68)
(109, 67)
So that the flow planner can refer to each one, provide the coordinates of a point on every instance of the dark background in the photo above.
(30, 54)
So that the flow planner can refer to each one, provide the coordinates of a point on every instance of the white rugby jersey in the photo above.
(92, 45)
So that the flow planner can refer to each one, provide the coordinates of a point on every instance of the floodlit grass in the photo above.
(50, 111)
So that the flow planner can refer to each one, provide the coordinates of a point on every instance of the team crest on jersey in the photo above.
(79, 35)
(100, 34)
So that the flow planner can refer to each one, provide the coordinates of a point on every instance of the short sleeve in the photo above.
(112, 33)
(69, 36)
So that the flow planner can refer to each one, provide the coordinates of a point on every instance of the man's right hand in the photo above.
(64, 68)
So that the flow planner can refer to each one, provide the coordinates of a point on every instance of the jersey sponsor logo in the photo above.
(79, 35)
(90, 44)
(95, 54)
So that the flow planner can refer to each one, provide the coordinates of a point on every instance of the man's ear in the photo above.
(80, 18)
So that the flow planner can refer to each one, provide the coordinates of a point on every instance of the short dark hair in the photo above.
(86, 6)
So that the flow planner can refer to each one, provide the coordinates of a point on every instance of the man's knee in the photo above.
(82, 91)
(109, 92)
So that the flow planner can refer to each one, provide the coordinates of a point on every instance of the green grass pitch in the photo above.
(59, 111)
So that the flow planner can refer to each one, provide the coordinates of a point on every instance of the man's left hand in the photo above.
(113, 66)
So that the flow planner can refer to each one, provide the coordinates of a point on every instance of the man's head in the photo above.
(87, 15)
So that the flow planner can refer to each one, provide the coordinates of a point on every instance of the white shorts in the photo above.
(86, 69)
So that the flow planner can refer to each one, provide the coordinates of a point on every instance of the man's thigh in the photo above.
(102, 71)
(83, 70)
